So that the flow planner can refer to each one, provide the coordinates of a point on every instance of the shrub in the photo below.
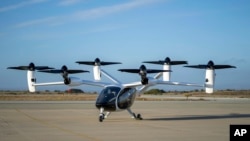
(155, 92)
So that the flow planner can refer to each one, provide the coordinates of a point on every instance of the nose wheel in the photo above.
(101, 117)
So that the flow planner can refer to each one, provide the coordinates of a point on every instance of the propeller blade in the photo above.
(42, 67)
(130, 70)
(157, 71)
(94, 63)
(138, 70)
(86, 62)
(51, 71)
(223, 66)
(76, 71)
(64, 69)
(211, 65)
(31, 67)
(19, 68)
(178, 62)
(97, 62)
(155, 62)
(61, 71)
(109, 63)
(162, 62)
(166, 61)
(197, 66)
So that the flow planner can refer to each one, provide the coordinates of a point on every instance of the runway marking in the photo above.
(81, 135)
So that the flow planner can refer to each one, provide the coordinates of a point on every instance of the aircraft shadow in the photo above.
(201, 117)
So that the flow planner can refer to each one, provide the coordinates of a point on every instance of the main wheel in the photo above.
(139, 117)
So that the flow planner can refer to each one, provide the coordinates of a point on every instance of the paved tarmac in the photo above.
(163, 121)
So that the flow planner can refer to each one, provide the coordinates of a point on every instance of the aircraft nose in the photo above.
(108, 106)
(99, 105)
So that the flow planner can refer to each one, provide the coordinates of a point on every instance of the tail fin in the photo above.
(31, 80)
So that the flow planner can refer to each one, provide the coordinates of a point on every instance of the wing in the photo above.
(95, 83)
(179, 83)
(75, 82)
(154, 81)
(48, 84)
(145, 87)
(133, 84)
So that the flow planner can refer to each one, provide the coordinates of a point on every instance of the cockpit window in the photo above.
(111, 90)
(108, 94)
(126, 98)
(107, 98)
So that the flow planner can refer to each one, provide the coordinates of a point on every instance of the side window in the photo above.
(126, 98)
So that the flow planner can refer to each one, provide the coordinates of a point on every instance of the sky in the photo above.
(61, 32)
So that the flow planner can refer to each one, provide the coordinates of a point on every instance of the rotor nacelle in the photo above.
(143, 74)
(64, 71)
(210, 73)
(143, 71)
(31, 79)
(167, 63)
(97, 63)
(97, 73)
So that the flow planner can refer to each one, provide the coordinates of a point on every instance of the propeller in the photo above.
(166, 61)
(142, 71)
(210, 65)
(30, 67)
(97, 62)
(64, 69)
(64, 72)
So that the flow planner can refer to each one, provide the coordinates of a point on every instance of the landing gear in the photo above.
(137, 117)
(102, 116)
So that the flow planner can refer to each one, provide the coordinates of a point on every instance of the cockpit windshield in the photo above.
(108, 95)
(113, 97)
(110, 91)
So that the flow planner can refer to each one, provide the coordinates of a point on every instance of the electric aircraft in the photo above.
(117, 96)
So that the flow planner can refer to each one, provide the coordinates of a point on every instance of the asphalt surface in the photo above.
(163, 120)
